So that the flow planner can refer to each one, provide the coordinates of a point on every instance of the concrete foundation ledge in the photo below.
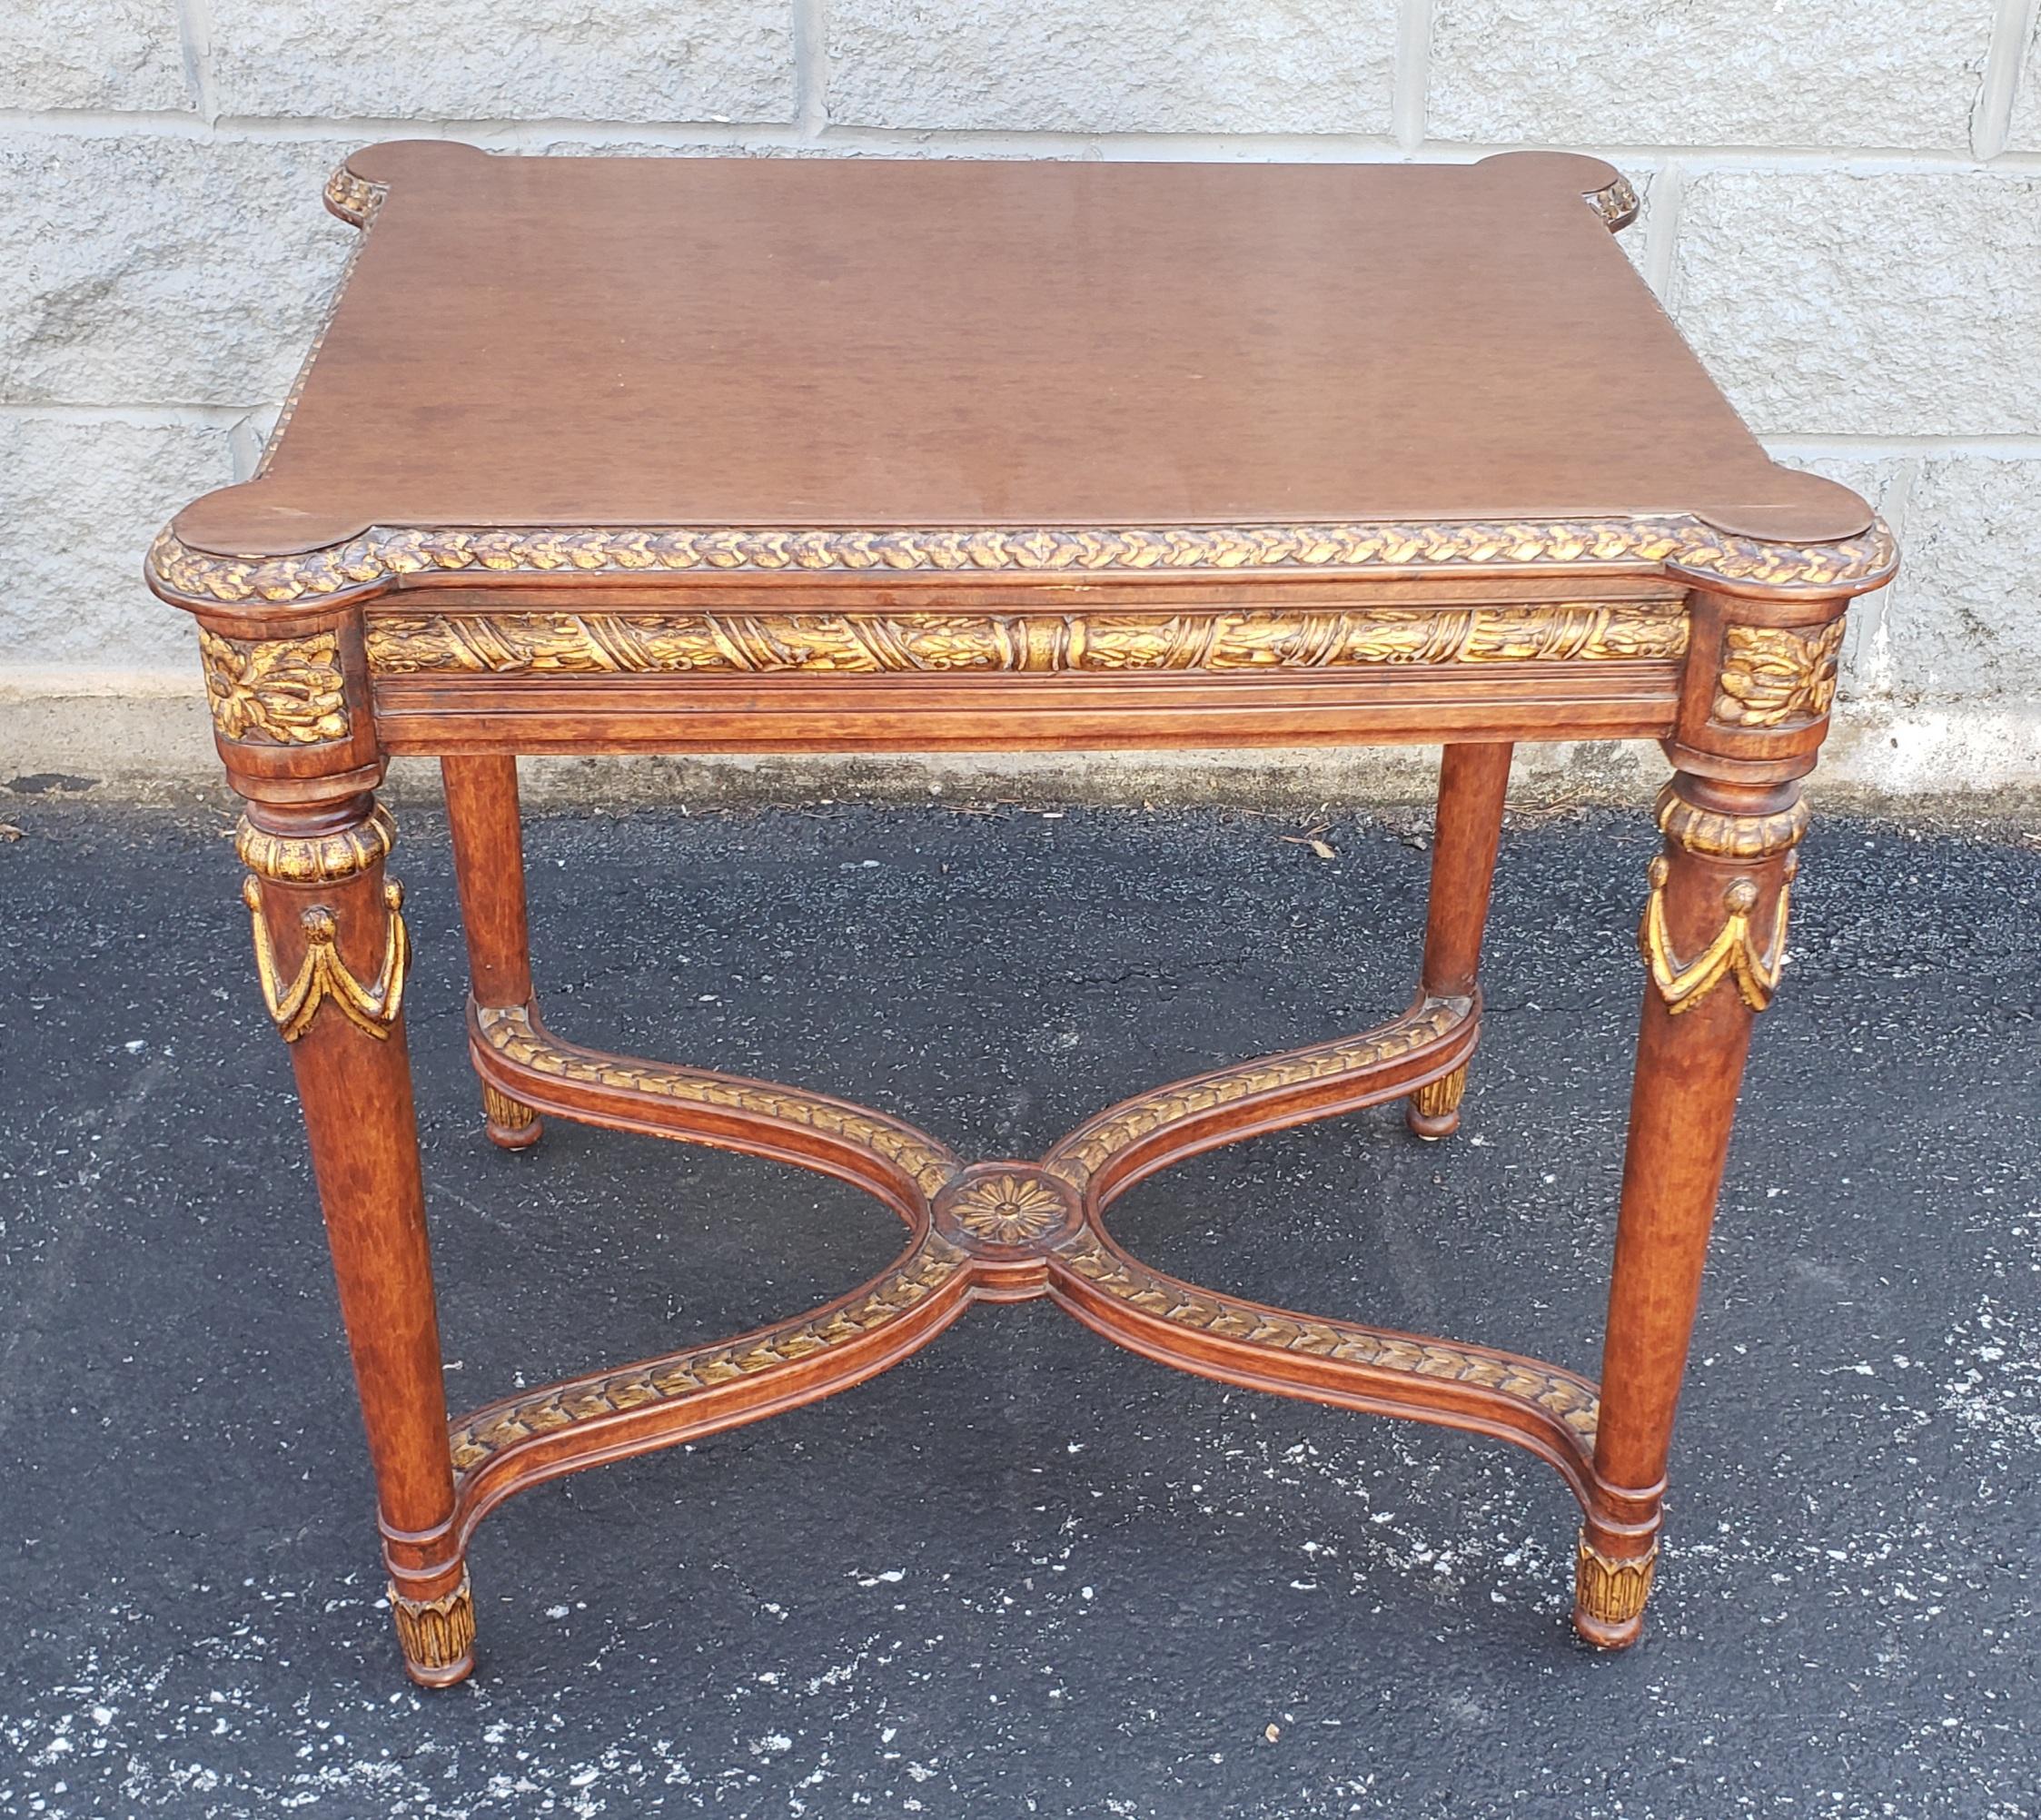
(143, 735)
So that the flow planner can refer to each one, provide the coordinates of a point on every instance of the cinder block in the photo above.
(1139, 66)
(79, 501)
(1963, 621)
(1898, 304)
(1878, 480)
(100, 53)
(1732, 73)
(2027, 98)
(160, 270)
(508, 60)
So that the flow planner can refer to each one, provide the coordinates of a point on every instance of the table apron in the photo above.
(434, 715)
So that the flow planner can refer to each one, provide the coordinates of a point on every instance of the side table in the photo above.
(637, 455)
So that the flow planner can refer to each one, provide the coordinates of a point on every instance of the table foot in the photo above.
(1608, 1594)
(437, 1635)
(509, 1123)
(1433, 1111)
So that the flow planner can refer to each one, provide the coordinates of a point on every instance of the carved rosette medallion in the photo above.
(1778, 676)
(1611, 1591)
(436, 1634)
(275, 691)
(1006, 1207)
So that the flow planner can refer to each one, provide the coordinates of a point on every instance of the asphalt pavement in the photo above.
(1024, 1573)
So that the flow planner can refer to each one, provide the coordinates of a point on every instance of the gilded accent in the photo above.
(501, 1110)
(507, 1028)
(1776, 675)
(1007, 1210)
(323, 975)
(354, 199)
(1734, 954)
(275, 691)
(1717, 834)
(437, 1633)
(1608, 1591)
(316, 859)
(1850, 566)
(1558, 1393)
(1436, 1099)
(383, 555)
(479, 1437)
(1080, 1156)
(597, 644)
(1615, 203)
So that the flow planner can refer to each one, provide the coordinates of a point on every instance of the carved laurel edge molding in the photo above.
(1608, 1591)
(611, 643)
(383, 556)
(436, 1633)
(509, 1029)
(1615, 203)
(479, 1437)
(354, 199)
(1081, 1155)
(1573, 1400)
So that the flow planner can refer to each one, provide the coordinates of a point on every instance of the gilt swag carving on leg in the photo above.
(323, 977)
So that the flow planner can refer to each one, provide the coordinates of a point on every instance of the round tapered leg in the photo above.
(1713, 938)
(333, 951)
(1473, 783)
(489, 861)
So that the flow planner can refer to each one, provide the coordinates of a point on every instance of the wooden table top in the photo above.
(877, 343)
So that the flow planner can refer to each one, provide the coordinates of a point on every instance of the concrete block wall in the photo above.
(1843, 212)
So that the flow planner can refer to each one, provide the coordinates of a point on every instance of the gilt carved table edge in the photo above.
(1677, 547)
